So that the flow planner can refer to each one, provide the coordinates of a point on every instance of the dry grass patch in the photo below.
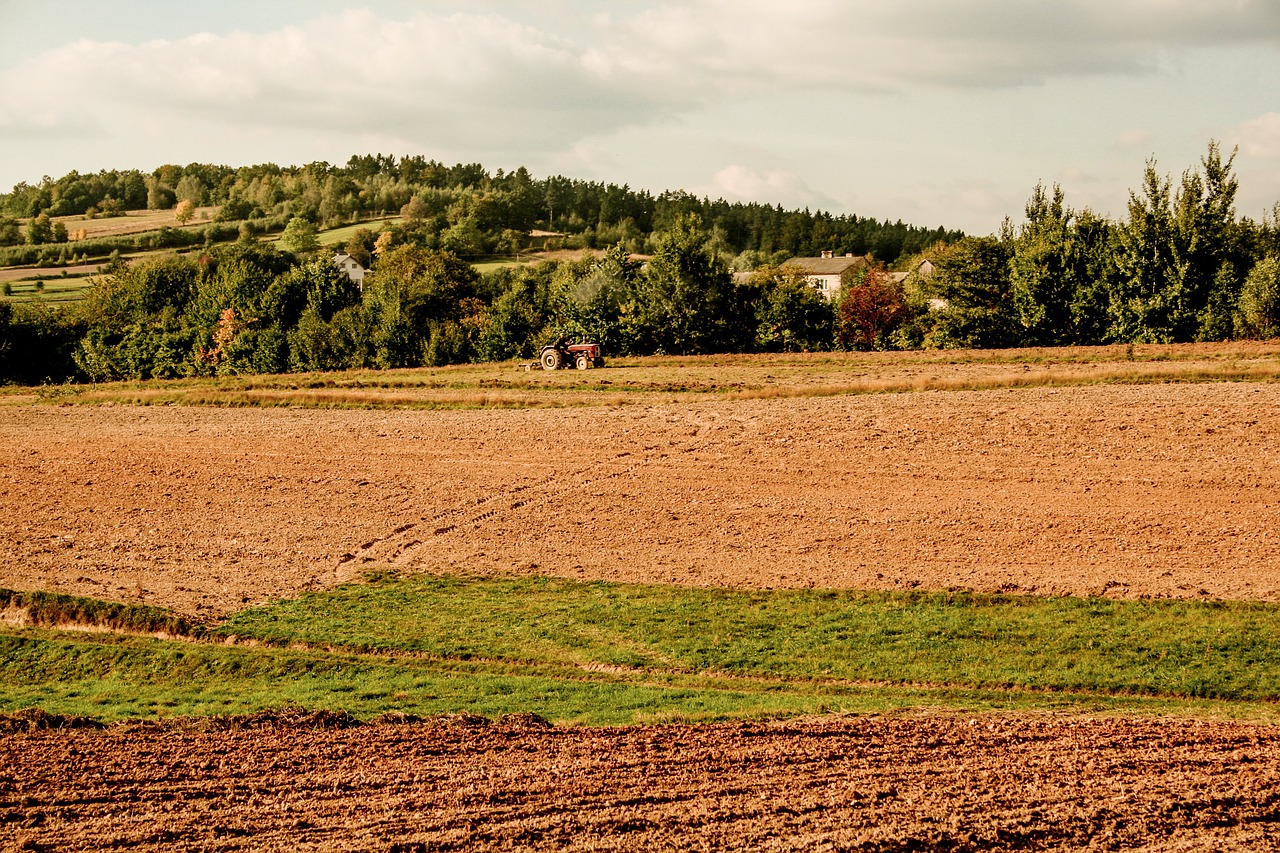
(661, 379)
(134, 222)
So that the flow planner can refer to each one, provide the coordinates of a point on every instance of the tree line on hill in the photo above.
(462, 209)
(1181, 267)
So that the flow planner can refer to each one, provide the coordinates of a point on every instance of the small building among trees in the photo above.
(353, 268)
(825, 274)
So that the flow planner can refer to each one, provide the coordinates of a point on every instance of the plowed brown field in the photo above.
(1158, 490)
(931, 783)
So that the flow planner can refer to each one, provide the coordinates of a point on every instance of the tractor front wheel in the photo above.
(583, 362)
(550, 360)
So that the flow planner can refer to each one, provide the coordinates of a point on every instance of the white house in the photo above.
(353, 268)
(824, 273)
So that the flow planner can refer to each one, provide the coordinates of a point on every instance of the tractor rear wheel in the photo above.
(550, 359)
(583, 362)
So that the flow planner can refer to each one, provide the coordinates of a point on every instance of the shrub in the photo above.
(1259, 308)
(37, 344)
(791, 315)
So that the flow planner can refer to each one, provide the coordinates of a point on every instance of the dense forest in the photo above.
(1182, 266)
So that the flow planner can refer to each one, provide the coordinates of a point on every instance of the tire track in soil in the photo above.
(397, 549)
(1128, 491)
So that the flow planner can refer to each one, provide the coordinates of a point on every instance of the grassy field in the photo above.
(48, 286)
(134, 222)
(346, 232)
(661, 379)
(603, 653)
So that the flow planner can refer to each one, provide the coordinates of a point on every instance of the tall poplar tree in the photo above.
(1145, 299)
(1206, 245)
(1041, 274)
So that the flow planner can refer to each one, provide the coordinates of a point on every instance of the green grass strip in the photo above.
(605, 653)
(109, 678)
(1223, 650)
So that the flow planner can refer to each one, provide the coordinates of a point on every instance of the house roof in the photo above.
(828, 266)
(343, 257)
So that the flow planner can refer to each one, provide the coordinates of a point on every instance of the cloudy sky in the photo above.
(935, 112)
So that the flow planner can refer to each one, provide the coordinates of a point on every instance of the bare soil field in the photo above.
(1155, 490)
(1029, 782)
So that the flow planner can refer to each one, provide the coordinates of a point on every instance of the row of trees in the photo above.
(1181, 267)
(254, 308)
(461, 208)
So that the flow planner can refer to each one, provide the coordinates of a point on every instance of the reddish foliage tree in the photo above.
(872, 307)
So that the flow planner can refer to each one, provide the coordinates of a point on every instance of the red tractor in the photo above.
(564, 354)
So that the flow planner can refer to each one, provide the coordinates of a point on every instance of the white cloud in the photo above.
(930, 97)
(1135, 138)
(1259, 138)
(884, 45)
(742, 183)
(1075, 175)
(981, 197)
(458, 80)
(464, 80)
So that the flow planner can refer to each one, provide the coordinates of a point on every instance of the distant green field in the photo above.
(490, 266)
(346, 232)
(604, 653)
(53, 288)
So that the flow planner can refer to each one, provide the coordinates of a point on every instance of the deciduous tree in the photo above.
(971, 277)
(1259, 312)
(791, 315)
(1041, 271)
(1147, 293)
(184, 210)
(872, 306)
(299, 236)
(10, 234)
(160, 196)
(1206, 249)
(190, 188)
(40, 230)
(687, 294)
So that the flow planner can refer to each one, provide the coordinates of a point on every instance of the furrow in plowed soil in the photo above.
(931, 783)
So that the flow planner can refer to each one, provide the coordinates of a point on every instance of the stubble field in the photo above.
(1163, 491)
